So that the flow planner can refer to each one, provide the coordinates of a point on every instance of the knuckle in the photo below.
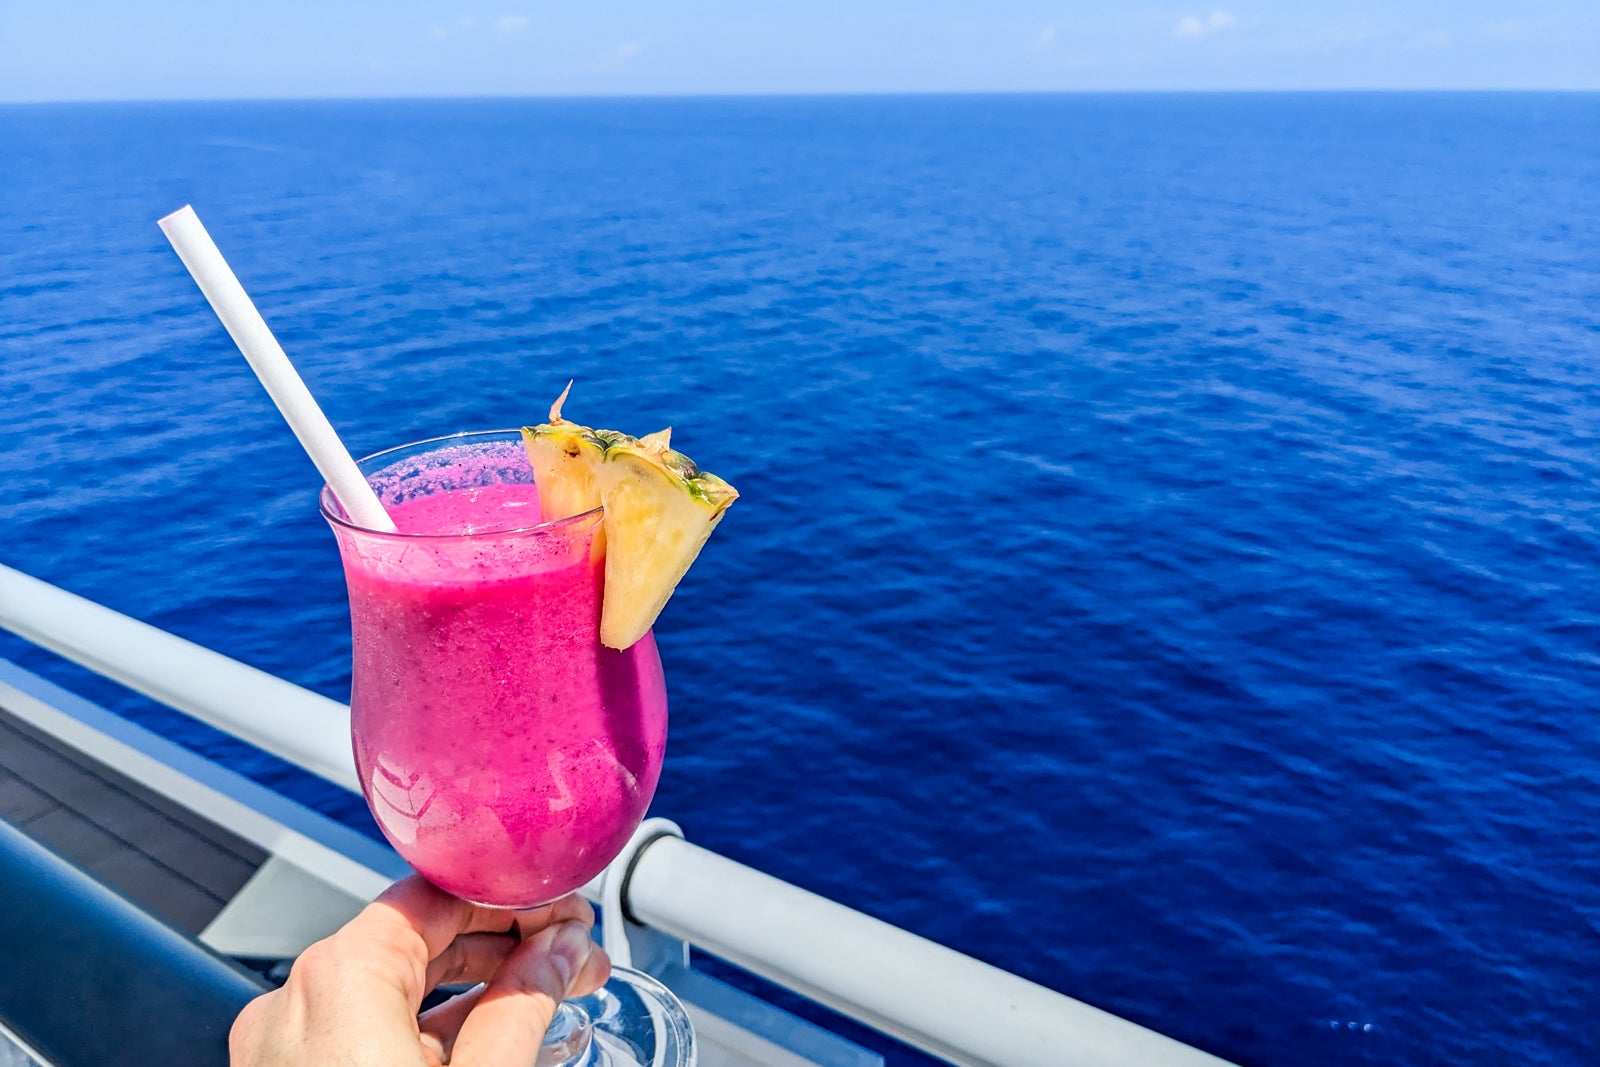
(250, 1029)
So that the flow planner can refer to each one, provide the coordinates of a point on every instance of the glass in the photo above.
(505, 753)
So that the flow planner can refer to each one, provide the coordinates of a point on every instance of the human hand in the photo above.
(352, 998)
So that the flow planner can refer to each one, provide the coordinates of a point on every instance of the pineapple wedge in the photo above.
(565, 457)
(659, 510)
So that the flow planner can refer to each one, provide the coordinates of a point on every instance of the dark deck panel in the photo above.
(181, 867)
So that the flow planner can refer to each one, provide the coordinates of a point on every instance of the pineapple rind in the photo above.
(713, 490)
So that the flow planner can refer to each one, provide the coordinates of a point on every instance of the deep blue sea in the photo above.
(1168, 563)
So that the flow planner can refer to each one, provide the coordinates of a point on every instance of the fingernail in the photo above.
(570, 951)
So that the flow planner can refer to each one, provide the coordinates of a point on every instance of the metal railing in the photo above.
(932, 997)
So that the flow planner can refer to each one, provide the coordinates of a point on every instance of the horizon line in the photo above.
(792, 94)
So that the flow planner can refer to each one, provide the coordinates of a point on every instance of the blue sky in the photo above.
(197, 49)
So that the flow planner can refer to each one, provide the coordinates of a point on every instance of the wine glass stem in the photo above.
(570, 1039)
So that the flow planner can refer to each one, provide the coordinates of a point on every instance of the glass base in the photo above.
(631, 1021)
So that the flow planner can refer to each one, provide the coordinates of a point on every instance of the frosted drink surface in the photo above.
(505, 753)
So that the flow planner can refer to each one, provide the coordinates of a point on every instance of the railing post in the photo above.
(627, 942)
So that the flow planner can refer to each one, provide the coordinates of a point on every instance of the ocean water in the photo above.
(1168, 564)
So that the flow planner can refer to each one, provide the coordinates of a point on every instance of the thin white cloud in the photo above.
(439, 33)
(1043, 41)
(1192, 26)
(1434, 40)
(512, 23)
(629, 50)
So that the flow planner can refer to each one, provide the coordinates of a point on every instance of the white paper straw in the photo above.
(249, 331)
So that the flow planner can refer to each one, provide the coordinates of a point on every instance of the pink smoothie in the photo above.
(505, 753)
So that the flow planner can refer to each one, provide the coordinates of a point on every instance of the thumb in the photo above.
(511, 1017)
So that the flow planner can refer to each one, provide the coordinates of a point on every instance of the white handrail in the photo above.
(945, 1003)
(939, 1000)
(292, 723)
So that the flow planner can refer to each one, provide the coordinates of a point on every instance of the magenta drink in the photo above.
(505, 753)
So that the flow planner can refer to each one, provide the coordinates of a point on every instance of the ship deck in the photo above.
(176, 865)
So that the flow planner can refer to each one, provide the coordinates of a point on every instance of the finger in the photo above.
(440, 1024)
(435, 915)
(570, 908)
(475, 957)
(514, 1011)
(592, 975)
(396, 936)
(470, 958)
